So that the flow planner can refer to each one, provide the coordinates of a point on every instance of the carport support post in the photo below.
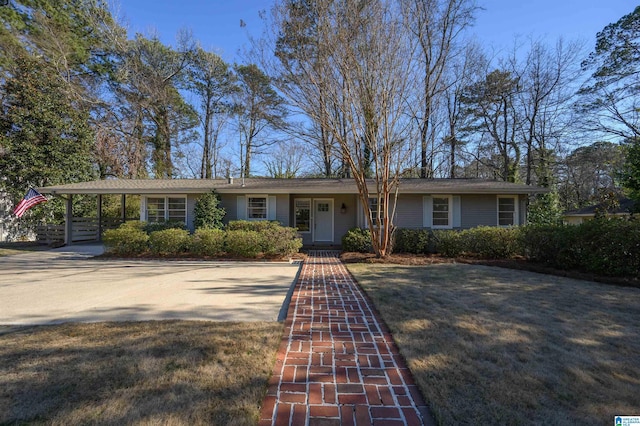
(99, 215)
(68, 223)
(123, 206)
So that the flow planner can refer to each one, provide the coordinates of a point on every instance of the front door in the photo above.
(323, 220)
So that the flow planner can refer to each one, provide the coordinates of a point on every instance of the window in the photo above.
(166, 209)
(177, 209)
(441, 212)
(303, 215)
(257, 208)
(155, 210)
(375, 212)
(507, 211)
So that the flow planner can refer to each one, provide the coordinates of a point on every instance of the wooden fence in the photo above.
(83, 229)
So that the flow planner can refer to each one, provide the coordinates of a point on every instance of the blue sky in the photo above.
(217, 23)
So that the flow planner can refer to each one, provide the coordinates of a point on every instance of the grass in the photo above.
(7, 249)
(496, 346)
(167, 372)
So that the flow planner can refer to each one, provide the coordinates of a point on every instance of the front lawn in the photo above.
(497, 346)
(7, 249)
(158, 372)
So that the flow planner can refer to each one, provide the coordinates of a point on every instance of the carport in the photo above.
(70, 285)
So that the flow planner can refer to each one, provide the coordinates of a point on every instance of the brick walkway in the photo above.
(338, 364)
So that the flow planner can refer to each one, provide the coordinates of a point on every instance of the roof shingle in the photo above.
(285, 186)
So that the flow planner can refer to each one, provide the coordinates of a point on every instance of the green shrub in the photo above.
(545, 209)
(169, 241)
(555, 245)
(448, 243)
(610, 246)
(151, 227)
(491, 242)
(126, 240)
(485, 242)
(252, 225)
(416, 241)
(133, 224)
(243, 243)
(207, 212)
(606, 246)
(280, 241)
(358, 240)
(208, 242)
(274, 239)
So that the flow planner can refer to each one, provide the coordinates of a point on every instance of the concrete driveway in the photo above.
(66, 284)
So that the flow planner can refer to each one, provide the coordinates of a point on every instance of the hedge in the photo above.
(604, 246)
(208, 242)
(484, 241)
(150, 227)
(358, 240)
(415, 241)
(242, 239)
(169, 241)
(125, 240)
(243, 243)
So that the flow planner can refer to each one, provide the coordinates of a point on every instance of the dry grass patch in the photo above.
(496, 346)
(167, 372)
(8, 249)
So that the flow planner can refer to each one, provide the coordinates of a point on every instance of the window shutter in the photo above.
(271, 213)
(143, 208)
(457, 213)
(427, 220)
(241, 213)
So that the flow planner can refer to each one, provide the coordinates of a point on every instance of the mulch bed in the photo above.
(191, 256)
(519, 264)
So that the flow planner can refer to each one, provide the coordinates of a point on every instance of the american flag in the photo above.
(32, 198)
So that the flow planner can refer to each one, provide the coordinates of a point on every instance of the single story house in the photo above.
(623, 208)
(323, 210)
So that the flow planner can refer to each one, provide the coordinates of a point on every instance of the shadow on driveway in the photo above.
(68, 284)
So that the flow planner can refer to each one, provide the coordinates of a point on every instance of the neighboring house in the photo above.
(323, 210)
(576, 217)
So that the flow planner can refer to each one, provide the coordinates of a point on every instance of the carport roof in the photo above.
(285, 186)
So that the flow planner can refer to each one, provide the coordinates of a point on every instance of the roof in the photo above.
(285, 186)
(625, 207)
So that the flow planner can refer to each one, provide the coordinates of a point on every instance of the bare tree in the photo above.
(209, 78)
(610, 101)
(365, 80)
(285, 161)
(461, 73)
(434, 25)
(491, 103)
(587, 171)
(301, 55)
(260, 108)
(546, 78)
